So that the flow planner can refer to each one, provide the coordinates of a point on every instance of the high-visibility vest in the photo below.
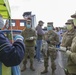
(5, 70)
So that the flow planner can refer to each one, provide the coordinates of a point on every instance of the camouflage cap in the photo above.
(50, 24)
(70, 21)
(74, 15)
(41, 21)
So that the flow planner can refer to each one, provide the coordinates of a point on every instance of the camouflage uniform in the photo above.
(67, 43)
(51, 52)
(68, 35)
(67, 38)
(30, 46)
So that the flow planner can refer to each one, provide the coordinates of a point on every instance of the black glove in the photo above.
(48, 41)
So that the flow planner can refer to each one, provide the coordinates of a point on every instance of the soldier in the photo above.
(69, 35)
(74, 20)
(67, 43)
(52, 39)
(29, 39)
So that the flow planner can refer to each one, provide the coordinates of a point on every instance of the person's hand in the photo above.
(63, 48)
(19, 37)
(68, 52)
(31, 38)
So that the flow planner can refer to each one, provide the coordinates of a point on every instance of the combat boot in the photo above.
(45, 71)
(32, 68)
(53, 67)
(23, 69)
(53, 72)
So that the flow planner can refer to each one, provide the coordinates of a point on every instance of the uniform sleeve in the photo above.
(35, 35)
(63, 39)
(55, 40)
(45, 36)
(73, 49)
(73, 57)
(11, 54)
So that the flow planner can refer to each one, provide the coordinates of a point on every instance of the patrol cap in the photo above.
(70, 21)
(50, 24)
(74, 15)
(41, 21)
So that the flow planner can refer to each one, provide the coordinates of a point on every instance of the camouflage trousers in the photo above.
(52, 54)
(29, 52)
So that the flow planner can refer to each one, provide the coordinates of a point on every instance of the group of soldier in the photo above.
(52, 39)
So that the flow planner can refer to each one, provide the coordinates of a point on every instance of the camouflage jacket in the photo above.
(67, 38)
(71, 65)
(27, 33)
(52, 37)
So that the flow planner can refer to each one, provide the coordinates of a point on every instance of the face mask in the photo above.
(28, 26)
(1, 23)
(69, 27)
(49, 28)
(74, 20)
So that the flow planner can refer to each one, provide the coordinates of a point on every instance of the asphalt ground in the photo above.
(39, 67)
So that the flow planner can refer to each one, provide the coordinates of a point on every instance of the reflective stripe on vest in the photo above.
(3, 46)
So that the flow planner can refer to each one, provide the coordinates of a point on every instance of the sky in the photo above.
(56, 11)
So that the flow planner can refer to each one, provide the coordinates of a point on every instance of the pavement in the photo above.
(39, 67)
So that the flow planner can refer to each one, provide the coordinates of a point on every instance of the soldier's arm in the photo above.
(63, 39)
(35, 35)
(73, 48)
(45, 37)
(22, 33)
(73, 57)
(25, 37)
(57, 39)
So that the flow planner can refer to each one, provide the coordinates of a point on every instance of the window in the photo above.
(13, 22)
(22, 23)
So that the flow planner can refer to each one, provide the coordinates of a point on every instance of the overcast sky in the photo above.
(57, 11)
